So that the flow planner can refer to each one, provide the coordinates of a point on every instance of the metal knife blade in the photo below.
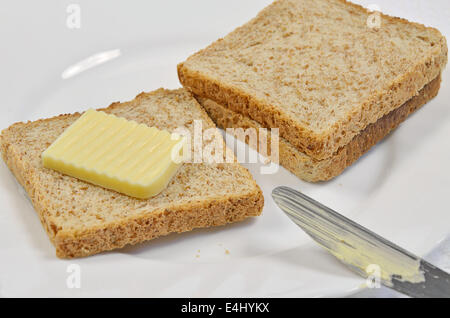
(359, 247)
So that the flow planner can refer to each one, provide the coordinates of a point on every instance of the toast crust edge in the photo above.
(213, 212)
(311, 169)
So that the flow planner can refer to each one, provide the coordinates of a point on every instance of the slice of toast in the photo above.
(319, 70)
(82, 219)
(313, 170)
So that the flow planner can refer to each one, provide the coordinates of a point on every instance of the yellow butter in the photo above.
(116, 154)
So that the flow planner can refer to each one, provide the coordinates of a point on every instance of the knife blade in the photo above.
(364, 251)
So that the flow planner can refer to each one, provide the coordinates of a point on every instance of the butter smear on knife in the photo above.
(366, 255)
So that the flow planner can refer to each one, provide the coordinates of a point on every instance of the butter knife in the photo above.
(366, 253)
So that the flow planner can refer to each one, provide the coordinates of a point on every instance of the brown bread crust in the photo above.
(313, 170)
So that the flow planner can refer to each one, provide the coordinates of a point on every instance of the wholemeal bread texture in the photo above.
(311, 169)
(317, 70)
(82, 219)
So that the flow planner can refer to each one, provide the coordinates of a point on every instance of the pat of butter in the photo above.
(116, 154)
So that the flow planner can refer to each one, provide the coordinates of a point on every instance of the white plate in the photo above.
(399, 189)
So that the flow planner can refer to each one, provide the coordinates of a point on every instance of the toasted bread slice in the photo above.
(83, 219)
(317, 69)
(313, 170)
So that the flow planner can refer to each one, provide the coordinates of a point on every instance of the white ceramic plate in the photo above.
(399, 189)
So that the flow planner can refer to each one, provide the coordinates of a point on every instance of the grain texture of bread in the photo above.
(317, 70)
(82, 219)
(313, 170)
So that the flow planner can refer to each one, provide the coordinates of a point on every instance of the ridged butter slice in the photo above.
(116, 154)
